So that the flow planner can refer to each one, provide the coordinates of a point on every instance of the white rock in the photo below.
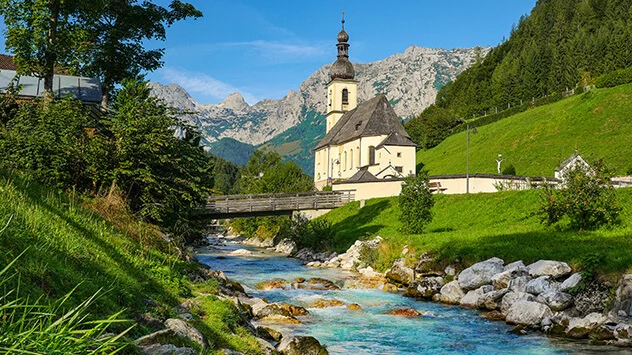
(580, 327)
(300, 345)
(369, 272)
(623, 331)
(512, 297)
(519, 284)
(240, 252)
(450, 270)
(185, 330)
(472, 298)
(542, 284)
(285, 246)
(515, 265)
(400, 273)
(573, 281)
(556, 300)
(555, 269)
(501, 280)
(528, 313)
(492, 300)
(451, 293)
(480, 274)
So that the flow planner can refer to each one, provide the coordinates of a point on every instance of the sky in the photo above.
(263, 49)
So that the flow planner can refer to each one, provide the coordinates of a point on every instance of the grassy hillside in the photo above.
(98, 248)
(479, 226)
(598, 123)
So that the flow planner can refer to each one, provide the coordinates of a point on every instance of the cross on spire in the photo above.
(343, 20)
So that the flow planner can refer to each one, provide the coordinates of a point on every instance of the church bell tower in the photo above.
(342, 90)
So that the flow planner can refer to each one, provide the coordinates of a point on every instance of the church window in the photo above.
(345, 96)
(351, 159)
(344, 167)
(399, 154)
(399, 169)
(371, 155)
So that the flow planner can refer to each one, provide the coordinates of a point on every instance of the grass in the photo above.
(74, 248)
(475, 227)
(598, 123)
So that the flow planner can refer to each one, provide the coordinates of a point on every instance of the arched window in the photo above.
(345, 96)
(351, 159)
(371, 155)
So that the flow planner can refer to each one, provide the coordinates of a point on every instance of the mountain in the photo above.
(294, 124)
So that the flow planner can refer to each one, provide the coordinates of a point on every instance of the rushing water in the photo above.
(448, 329)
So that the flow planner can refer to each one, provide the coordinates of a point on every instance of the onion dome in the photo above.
(343, 36)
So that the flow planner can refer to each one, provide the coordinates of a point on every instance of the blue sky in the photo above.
(263, 49)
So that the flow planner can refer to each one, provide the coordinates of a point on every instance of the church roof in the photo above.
(375, 117)
(396, 139)
(363, 175)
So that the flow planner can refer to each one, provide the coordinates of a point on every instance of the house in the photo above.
(85, 89)
(363, 143)
(569, 164)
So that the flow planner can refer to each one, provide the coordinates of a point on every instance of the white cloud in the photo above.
(283, 52)
(204, 85)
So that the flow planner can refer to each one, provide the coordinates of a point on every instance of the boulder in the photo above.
(318, 283)
(273, 284)
(623, 331)
(493, 315)
(400, 273)
(512, 297)
(261, 243)
(389, 287)
(501, 280)
(514, 266)
(542, 284)
(555, 269)
(286, 246)
(404, 312)
(603, 332)
(556, 300)
(266, 347)
(240, 252)
(263, 310)
(451, 293)
(352, 258)
(305, 254)
(167, 349)
(623, 295)
(324, 303)
(450, 270)
(480, 274)
(185, 330)
(269, 333)
(279, 319)
(519, 284)
(301, 345)
(365, 283)
(528, 313)
(425, 288)
(354, 307)
(369, 272)
(580, 327)
(472, 298)
(572, 282)
(294, 310)
(492, 300)
(160, 337)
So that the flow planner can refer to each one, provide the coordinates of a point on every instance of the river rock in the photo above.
(167, 349)
(305, 254)
(451, 293)
(266, 347)
(364, 283)
(269, 333)
(555, 269)
(623, 295)
(472, 298)
(325, 303)
(450, 270)
(286, 246)
(318, 283)
(519, 284)
(293, 309)
(425, 288)
(603, 332)
(542, 284)
(268, 309)
(389, 287)
(580, 327)
(514, 266)
(160, 337)
(501, 280)
(183, 329)
(354, 307)
(404, 312)
(528, 313)
(261, 243)
(480, 274)
(400, 273)
(352, 258)
(273, 284)
(301, 345)
(571, 282)
(512, 297)
(493, 315)
(370, 273)
(240, 252)
(279, 319)
(492, 300)
(556, 300)
(623, 331)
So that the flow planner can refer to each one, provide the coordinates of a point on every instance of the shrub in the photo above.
(316, 234)
(587, 199)
(415, 203)
(615, 78)
(509, 170)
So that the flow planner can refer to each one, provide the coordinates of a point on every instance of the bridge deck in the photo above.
(243, 205)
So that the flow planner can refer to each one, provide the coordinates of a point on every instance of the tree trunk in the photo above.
(105, 90)
(50, 58)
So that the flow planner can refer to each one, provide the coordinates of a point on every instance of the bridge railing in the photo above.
(279, 202)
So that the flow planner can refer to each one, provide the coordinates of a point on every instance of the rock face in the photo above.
(480, 274)
(555, 269)
(528, 313)
(301, 345)
(410, 79)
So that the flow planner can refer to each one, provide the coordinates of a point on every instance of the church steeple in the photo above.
(342, 68)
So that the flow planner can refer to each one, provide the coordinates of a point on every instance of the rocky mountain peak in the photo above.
(235, 102)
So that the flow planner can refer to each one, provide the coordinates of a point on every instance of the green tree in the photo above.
(587, 198)
(266, 172)
(415, 203)
(118, 30)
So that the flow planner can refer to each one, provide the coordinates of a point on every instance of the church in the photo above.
(363, 143)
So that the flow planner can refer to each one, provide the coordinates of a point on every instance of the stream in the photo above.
(442, 330)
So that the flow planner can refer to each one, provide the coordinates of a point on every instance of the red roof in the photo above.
(6, 62)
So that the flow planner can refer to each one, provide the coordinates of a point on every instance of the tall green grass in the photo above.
(470, 228)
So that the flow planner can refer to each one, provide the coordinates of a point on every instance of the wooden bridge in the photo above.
(234, 206)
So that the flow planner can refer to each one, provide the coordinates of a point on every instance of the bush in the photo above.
(509, 170)
(587, 199)
(316, 234)
(415, 203)
(615, 78)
